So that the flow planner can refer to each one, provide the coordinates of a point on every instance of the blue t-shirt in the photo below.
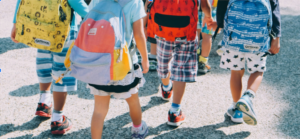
(79, 7)
(133, 10)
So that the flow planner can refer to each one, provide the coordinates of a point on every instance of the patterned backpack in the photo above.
(247, 26)
(172, 20)
(43, 24)
(100, 53)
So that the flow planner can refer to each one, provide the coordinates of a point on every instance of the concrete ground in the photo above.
(277, 101)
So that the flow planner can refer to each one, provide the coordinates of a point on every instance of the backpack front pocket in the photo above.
(91, 67)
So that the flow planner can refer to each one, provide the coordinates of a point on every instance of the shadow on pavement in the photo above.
(287, 75)
(150, 87)
(26, 91)
(7, 44)
(114, 128)
(30, 125)
(209, 131)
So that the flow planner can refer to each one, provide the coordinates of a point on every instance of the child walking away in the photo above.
(251, 32)
(175, 25)
(48, 62)
(151, 36)
(101, 57)
(207, 13)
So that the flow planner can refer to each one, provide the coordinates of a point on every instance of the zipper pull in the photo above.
(22, 33)
(160, 29)
(230, 38)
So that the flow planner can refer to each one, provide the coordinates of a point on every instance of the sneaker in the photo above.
(43, 110)
(235, 115)
(139, 134)
(203, 68)
(176, 120)
(166, 95)
(60, 128)
(245, 105)
(152, 64)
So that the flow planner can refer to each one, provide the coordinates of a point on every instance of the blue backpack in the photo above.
(247, 26)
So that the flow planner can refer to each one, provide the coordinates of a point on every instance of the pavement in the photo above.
(205, 102)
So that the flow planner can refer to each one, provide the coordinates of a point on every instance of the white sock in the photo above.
(250, 91)
(45, 97)
(168, 87)
(57, 116)
(152, 56)
(175, 110)
(233, 105)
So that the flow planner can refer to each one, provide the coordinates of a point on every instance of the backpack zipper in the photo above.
(22, 33)
(230, 38)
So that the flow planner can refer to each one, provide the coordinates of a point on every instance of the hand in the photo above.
(13, 34)
(213, 25)
(207, 21)
(275, 46)
(145, 65)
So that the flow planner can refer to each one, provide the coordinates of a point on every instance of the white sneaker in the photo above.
(139, 134)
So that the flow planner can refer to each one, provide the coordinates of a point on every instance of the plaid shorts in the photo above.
(184, 64)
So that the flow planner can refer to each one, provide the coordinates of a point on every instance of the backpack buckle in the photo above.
(160, 38)
(181, 39)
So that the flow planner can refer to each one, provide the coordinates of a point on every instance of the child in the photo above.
(206, 13)
(48, 63)
(234, 59)
(183, 50)
(152, 55)
(128, 87)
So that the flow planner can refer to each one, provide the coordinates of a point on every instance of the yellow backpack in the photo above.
(43, 24)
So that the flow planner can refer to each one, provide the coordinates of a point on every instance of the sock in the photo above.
(57, 116)
(168, 87)
(233, 105)
(152, 56)
(45, 97)
(203, 59)
(175, 108)
(250, 93)
(137, 127)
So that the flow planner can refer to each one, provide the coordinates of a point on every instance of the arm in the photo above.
(16, 11)
(146, 17)
(13, 30)
(206, 9)
(79, 6)
(139, 36)
(276, 28)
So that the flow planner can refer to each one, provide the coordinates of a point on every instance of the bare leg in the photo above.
(178, 88)
(100, 111)
(59, 99)
(206, 44)
(198, 33)
(254, 81)
(45, 86)
(236, 84)
(166, 81)
(153, 49)
(135, 109)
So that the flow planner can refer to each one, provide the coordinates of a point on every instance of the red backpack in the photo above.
(172, 20)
